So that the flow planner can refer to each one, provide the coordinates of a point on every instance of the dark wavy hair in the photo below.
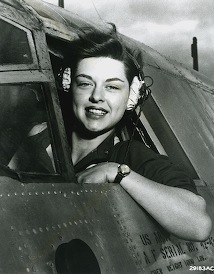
(94, 43)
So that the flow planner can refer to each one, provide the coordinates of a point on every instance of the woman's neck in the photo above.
(83, 146)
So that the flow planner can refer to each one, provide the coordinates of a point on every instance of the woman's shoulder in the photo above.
(152, 165)
(133, 151)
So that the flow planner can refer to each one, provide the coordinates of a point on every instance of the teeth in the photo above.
(96, 111)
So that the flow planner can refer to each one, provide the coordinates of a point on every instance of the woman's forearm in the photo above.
(179, 211)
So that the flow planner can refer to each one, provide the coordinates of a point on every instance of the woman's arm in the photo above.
(178, 210)
(181, 212)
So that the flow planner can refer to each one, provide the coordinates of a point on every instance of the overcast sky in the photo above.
(167, 26)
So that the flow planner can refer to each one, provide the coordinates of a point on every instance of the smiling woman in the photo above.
(100, 76)
(100, 94)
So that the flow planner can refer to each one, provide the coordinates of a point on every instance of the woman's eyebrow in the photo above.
(114, 79)
(107, 80)
(84, 75)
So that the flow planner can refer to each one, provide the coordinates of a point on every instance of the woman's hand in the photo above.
(98, 174)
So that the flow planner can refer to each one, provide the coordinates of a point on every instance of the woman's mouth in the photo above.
(95, 112)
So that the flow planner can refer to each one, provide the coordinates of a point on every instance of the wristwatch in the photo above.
(123, 171)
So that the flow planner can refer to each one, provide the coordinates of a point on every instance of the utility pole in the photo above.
(194, 53)
(61, 3)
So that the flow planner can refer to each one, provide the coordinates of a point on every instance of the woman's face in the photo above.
(100, 92)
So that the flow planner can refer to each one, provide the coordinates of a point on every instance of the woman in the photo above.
(100, 75)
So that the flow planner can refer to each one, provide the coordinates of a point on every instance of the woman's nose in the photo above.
(97, 95)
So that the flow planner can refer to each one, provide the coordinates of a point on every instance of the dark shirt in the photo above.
(140, 159)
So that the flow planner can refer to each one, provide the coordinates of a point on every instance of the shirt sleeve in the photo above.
(151, 165)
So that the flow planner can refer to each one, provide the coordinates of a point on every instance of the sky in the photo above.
(167, 26)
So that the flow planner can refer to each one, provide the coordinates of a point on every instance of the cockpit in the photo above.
(33, 138)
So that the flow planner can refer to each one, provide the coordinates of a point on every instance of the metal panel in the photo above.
(38, 218)
(24, 76)
(188, 109)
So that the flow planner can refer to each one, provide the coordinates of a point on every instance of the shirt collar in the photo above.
(98, 155)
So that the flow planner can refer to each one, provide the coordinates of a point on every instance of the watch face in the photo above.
(124, 169)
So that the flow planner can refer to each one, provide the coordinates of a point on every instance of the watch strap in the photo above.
(118, 178)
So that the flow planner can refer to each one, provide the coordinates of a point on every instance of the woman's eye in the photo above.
(111, 87)
(84, 84)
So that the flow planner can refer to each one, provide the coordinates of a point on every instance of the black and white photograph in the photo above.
(106, 136)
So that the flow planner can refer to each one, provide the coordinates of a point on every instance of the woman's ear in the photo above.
(134, 93)
(66, 79)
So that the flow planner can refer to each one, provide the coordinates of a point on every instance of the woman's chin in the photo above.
(95, 128)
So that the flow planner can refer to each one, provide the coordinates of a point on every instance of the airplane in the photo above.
(51, 224)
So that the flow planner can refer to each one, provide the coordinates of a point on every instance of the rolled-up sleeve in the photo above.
(153, 166)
